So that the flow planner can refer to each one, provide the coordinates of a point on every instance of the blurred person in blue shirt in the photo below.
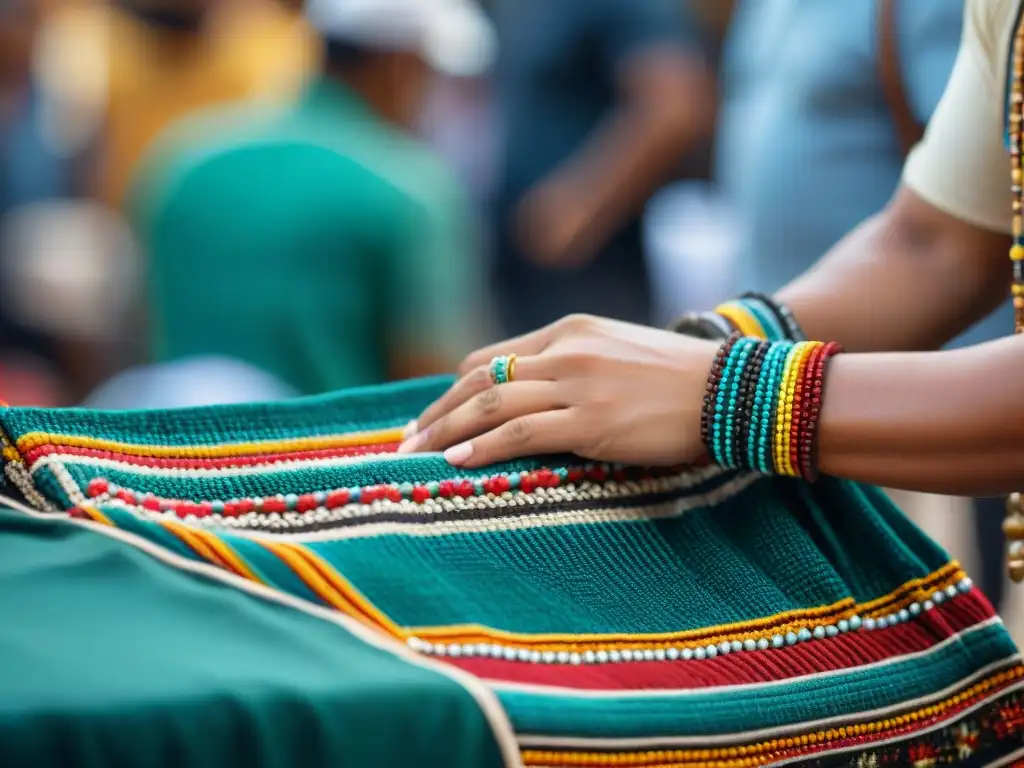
(598, 101)
(811, 142)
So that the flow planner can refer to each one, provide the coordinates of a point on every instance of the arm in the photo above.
(665, 107)
(939, 422)
(950, 422)
(911, 278)
(935, 259)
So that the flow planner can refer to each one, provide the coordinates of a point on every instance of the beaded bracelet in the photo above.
(702, 325)
(791, 329)
(748, 387)
(753, 314)
(714, 379)
(762, 404)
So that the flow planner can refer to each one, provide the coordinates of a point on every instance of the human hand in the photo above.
(601, 389)
(555, 225)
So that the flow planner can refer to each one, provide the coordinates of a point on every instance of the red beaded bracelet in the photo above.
(805, 439)
(809, 463)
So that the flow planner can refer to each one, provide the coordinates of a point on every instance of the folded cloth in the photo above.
(619, 615)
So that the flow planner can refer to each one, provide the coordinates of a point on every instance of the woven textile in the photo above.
(604, 615)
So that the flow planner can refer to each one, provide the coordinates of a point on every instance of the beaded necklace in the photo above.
(1013, 526)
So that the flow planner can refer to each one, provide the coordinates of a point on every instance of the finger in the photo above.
(523, 346)
(483, 412)
(532, 434)
(479, 380)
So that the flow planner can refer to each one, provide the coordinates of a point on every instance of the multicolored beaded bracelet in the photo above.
(782, 315)
(753, 314)
(762, 404)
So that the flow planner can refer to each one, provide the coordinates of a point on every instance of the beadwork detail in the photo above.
(1013, 525)
(762, 403)
(562, 484)
(699, 652)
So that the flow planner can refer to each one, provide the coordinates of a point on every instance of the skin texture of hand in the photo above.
(601, 389)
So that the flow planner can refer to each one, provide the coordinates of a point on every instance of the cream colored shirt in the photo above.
(962, 164)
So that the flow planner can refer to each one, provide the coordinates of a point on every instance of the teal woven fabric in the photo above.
(568, 612)
(112, 658)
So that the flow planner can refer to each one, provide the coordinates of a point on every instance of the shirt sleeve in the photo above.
(628, 27)
(435, 282)
(961, 165)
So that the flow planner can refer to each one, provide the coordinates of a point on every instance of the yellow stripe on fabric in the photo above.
(297, 559)
(312, 579)
(779, 623)
(97, 516)
(34, 440)
(346, 588)
(742, 319)
(764, 752)
(224, 553)
(921, 588)
(10, 452)
(191, 539)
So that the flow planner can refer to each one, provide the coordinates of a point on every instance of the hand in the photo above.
(601, 389)
(554, 225)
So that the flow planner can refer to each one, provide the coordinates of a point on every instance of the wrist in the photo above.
(762, 405)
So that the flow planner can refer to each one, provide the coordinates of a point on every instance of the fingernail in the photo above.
(410, 429)
(459, 454)
(413, 443)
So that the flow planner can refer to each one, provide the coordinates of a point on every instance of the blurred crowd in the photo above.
(327, 193)
(216, 200)
(330, 193)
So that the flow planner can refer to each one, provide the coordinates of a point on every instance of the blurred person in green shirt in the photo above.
(320, 243)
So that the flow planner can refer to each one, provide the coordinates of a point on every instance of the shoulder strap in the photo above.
(908, 129)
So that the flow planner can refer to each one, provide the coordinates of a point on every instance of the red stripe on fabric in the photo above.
(210, 463)
(830, 654)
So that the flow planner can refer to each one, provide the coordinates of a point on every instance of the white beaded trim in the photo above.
(688, 653)
(19, 476)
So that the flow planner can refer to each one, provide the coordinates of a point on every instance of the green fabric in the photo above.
(636, 577)
(592, 561)
(359, 408)
(315, 244)
(111, 658)
(584, 576)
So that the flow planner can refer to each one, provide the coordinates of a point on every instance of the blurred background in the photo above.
(207, 201)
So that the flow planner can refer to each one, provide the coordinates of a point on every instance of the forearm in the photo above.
(638, 146)
(939, 422)
(910, 278)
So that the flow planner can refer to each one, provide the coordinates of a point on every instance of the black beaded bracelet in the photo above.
(782, 314)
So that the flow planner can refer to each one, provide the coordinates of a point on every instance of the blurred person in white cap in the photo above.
(321, 243)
